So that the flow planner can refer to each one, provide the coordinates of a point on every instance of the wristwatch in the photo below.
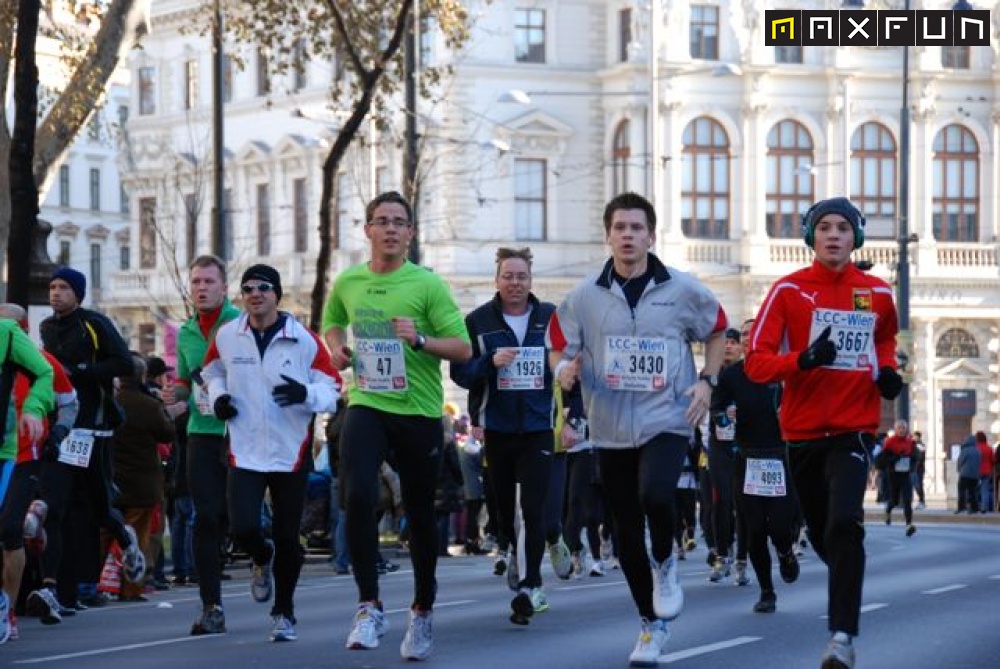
(420, 342)
(711, 379)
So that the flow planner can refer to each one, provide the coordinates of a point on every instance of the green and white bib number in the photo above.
(635, 363)
(76, 448)
(380, 365)
(765, 478)
(526, 372)
(201, 400)
(853, 332)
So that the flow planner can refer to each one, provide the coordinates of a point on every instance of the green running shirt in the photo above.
(363, 303)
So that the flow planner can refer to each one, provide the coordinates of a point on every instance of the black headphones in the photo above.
(845, 208)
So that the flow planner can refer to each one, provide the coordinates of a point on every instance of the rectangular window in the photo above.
(788, 54)
(124, 258)
(530, 200)
(64, 252)
(147, 338)
(382, 179)
(147, 233)
(190, 84)
(94, 127)
(426, 41)
(228, 239)
(95, 266)
(263, 220)
(64, 185)
(191, 211)
(624, 33)
(95, 189)
(529, 35)
(301, 215)
(227, 79)
(263, 74)
(123, 203)
(956, 57)
(300, 66)
(147, 91)
(704, 32)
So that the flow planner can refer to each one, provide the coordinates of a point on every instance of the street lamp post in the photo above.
(903, 233)
(219, 241)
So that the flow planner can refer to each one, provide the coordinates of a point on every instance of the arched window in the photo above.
(957, 343)
(620, 153)
(873, 171)
(705, 180)
(790, 180)
(955, 204)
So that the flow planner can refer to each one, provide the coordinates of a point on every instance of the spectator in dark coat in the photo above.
(448, 496)
(968, 476)
(137, 465)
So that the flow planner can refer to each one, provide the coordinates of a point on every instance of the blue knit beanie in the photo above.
(76, 281)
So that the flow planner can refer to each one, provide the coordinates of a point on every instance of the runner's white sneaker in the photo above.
(838, 655)
(370, 624)
(668, 598)
(419, 639)
(283, 630)
(539, 602)
(4, 617)
(559, 555)
(652, 638)
(262, 580)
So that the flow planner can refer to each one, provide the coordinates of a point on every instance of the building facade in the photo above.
(555, 105)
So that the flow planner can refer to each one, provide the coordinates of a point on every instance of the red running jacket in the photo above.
(842, 397)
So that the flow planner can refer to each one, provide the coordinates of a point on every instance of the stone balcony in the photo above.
(776, 257)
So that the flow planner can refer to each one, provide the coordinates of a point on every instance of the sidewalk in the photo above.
(934, 513)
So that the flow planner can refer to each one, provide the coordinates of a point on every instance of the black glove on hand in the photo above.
(50, 450)
(821, 352)
(223, 407)
(289, 393)
(889, 383)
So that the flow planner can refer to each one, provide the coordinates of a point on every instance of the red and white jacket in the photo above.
(264, 436)
(829, 400)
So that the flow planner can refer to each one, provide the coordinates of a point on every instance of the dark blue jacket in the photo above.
(514, 411)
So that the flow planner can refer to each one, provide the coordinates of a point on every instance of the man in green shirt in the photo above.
(208, 453)
(404, 321)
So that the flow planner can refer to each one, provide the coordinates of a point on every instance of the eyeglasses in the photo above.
(398, 223)
(262, 287)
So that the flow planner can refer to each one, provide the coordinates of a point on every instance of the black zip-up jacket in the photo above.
(757, 407)
(93, 354)
(510, 411)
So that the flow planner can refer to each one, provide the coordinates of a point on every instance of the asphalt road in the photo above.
(930, 601)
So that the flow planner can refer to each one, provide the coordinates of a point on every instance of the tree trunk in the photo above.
(23, 190)
(330, 167)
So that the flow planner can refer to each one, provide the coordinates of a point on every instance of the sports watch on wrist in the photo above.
(420, 342)
(711, 379)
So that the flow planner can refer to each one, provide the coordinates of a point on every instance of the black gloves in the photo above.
(289, 393)
(821, 352)
(50, 450)
(223, 407)
(889, 383)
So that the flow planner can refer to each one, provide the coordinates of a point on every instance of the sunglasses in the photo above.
(262, 287)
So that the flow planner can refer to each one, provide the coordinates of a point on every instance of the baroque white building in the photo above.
(553, 107)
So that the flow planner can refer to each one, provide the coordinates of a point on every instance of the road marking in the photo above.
(604, 584)
(710, 648)
(947, 588)
(115, 649)
(867, 608)
(437, 605)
